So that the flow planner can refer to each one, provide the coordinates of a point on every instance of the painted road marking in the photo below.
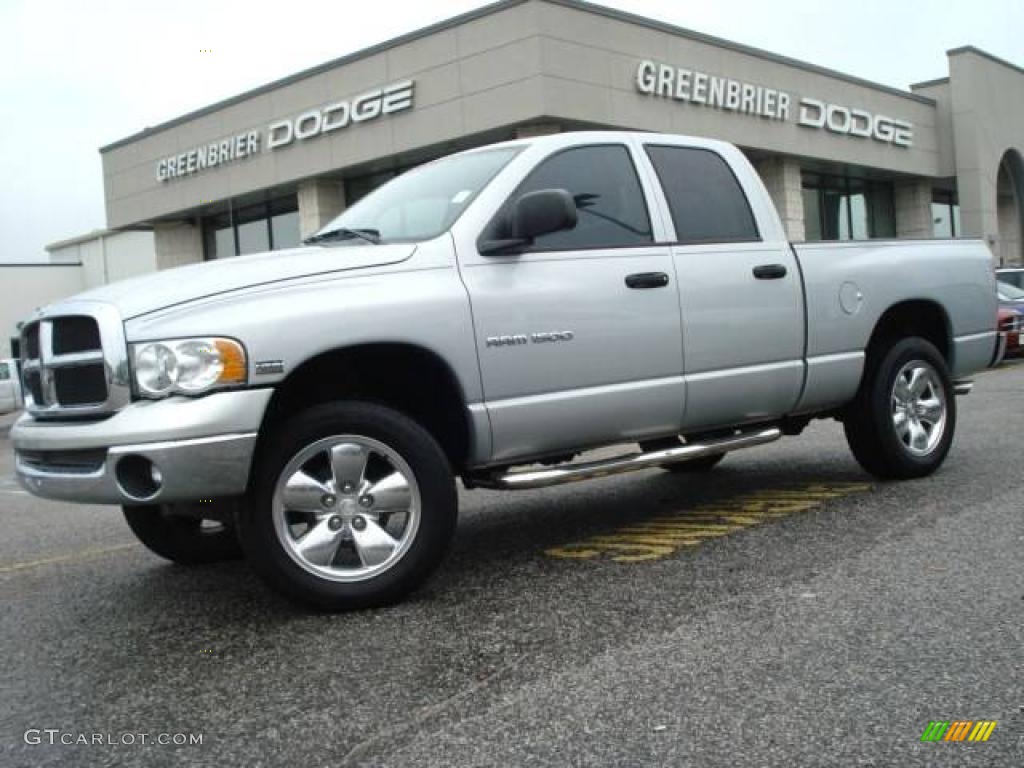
(664, 535)
(82, 554)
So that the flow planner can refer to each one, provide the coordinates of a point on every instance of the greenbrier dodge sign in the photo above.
(703, 89)
(316, 122)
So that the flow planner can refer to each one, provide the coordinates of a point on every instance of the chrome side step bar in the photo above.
(963, 387)
(570, 473)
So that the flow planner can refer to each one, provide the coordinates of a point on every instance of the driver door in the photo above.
(579, 335)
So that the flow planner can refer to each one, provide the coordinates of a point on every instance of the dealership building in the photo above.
(842, 157)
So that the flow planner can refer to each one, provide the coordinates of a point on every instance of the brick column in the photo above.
(913, 200)
(177, 243)
(320, 200)
(781, 177)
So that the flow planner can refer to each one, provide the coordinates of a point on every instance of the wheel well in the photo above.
(410, 379)
(913, 318)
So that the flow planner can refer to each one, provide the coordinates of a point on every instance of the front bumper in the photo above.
(201, 448)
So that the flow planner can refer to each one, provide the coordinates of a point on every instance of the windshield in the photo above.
(421, 203)
(1011, 276)
(1009, 292)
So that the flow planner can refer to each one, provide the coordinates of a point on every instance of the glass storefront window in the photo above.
(253, 237)
(945, 214)
(284, 229)
(942, 220)
(812, 214)
(252, 229)
(219, 237)
(882, 211)
(843, 208)
(835, 215)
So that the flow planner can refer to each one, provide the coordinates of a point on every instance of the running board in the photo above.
(570, 473)
(963, 387)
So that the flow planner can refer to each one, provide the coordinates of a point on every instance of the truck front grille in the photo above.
(75, 364)
(82, 385)
(76, 334)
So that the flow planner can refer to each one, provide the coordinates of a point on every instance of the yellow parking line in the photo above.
(82, 554)
(661, 536)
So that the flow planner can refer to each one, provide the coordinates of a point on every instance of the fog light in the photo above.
(138, 477)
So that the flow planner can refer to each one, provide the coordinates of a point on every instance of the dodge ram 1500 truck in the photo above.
(488, 316)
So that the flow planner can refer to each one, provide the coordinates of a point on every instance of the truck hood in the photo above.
(159, 290)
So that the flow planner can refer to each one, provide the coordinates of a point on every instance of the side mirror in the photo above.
(532, 215)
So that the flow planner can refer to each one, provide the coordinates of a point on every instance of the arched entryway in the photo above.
(1010, 208)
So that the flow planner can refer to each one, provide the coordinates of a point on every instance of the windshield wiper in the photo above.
(343, 233)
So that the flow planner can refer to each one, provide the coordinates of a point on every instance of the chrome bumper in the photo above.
(205, 450)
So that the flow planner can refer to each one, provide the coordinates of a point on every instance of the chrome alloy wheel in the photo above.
(918, 407)
(346, 508)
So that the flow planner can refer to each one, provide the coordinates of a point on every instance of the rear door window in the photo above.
(706, 201)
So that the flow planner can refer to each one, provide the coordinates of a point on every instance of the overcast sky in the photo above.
(77, 75)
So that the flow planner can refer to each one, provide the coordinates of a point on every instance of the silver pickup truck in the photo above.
(488, 316)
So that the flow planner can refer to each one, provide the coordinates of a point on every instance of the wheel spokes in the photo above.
(319, 544)
(304, 493)
(931, 410)
(348, 466)
(347, 507)
(902, 423)
(918, 436)
(918, 381)
(374, 545)
(391, 493)
(902, 389)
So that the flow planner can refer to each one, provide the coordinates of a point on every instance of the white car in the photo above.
(1012, 275)
(10, 389)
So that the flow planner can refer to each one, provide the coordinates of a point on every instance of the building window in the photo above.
(269, 226)
(844, 208)
(945, 214)
(360, 186)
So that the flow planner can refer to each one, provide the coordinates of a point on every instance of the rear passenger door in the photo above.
(741, 295)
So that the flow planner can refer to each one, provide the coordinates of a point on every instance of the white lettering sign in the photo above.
(310, 124)
(701, 88)
(855, 122)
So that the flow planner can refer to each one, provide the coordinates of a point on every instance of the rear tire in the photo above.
(901, 423)
(703, 464)
(353, 506)
(186, 539)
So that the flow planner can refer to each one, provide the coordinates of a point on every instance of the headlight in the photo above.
(187, 366)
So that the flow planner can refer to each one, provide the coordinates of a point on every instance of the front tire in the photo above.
(901, 423)
(353, 506)
(181, 534)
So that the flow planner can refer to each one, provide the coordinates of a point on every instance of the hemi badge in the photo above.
(264, 367)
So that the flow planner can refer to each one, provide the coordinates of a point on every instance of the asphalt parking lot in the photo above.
(784, 609)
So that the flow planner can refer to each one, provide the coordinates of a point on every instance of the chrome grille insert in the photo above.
(75, 361)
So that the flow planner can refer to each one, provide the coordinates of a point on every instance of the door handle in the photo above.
(643, 280)
(769, 271)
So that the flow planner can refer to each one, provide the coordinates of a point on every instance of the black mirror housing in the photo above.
(530, 216)
(542, 212)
